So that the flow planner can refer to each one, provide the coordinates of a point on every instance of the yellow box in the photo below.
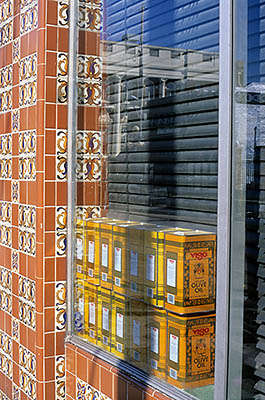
(92, 250)
(104, 319)
(119, 256)
(156, 341)
(138, 332)
(91, 313)
(189, 270)
(79, 308)
(120, 326)
(105, 266)
(80, 249)
(191, 350)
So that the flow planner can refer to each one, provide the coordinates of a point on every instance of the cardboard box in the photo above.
(120, 343)
(104, 319)
(80, 249)
(156, 341)
(138, 334)
(91, 313)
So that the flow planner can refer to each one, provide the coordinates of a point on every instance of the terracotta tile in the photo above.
(63, 35)
(32, 115)
(41, 45)
(23, 396)
(52, 12)
(2, 189)
(15, 167)
(23, 118)
(49, 244)
(49, 269)
(49, 324)
(16, 6)
(89, 43)
(51, 38)
(70, 360)
(102, 363)
(39, 260)
(32, 265)
(91, 118)
(2, 320)
(106, 382)
(49, 346)
(50, 390)
(8, 122)
(50, 142)
(16, 27)
(49, 218)
(93, 374)
(51, 64)
(39, 295)
(15, 74)
(134, 393)
(31, 344)
(39, 224)
(8, 324)
(16, 374)
(70, 385)
(39, 329)
(40, 117)
(88, 193)
(49, 194)
(33, 41)
(60, 347)
(15, 238)
(15, 97)
(50, 116)
(49, 295)
(39, 364)
(40, 388)
(49, 368)
(61, 194)
(50, 168)
(15, 151)
(51, 90)
(8, 258)
(120, 388)
(22, 264)
(15, 284)
(36, 196)
(8, 190)
(61, 272)
(41, 80)
(24, 48)
(2, 123)
(23, 334)
(8, 387)
(81, 367)
(62, 116)
(42, 14)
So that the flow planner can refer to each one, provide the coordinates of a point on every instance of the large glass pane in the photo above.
(246, 358)
(146, 187)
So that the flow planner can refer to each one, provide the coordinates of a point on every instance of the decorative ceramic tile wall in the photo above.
(6, 156)
(15, 392)
(90, 15)
(3, 396)
(61, 231)
(6, 349)
(28, 80)
(86, 391)
(87, 212)
(27, 229)
(60, 303)
(60, 377)
(6, 79)
(6, 23)
(89, 80)
(27, 155)
(63, 13)
(15, 121)
(15, 191)
(16, 50)
(15, 329)
(27, 384)
(28, 16)
(61, 155)
(6, 223)
(6, 290)
(27, 306)
(62, 76)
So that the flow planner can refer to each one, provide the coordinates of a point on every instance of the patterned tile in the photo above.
(61, 231)
(6, 24)
(6, 79)
(63, 13)
(60, 303)
(62, 75)
(27, 311)
(15, 392)
(60, 377)
(85, 391)
(27, 384)
(61, 155)
(15, 120)
(27, 229)
(87, 212)
(27, 155)
(28, 16)
(89, 93)
(6, 156)
(15, 191)
(3, 396)
(88, 143)
(28, 81)
(6, 290)
(5, 223)
(90, 16)
(6, 349)
(16, 50)
(27, 360)
(88, 168)
(15, 329)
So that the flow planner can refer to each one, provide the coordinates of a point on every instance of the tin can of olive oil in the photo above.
(156, 341)
(104, 319)
(120, 344)
(91, 313)
(138, 334)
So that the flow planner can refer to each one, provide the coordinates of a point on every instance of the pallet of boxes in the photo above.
(149, 297)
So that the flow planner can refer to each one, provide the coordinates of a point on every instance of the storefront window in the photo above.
(146, 188)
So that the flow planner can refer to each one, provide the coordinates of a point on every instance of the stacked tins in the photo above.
(147, 294)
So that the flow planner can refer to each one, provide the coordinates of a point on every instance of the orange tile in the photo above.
(51, 38)
(15, 144)
(40, 189)
(49, 316)
(39, 295)
(15, 238)
(49, 244)
(33, 41)
(49, 193)
(49, 295)
(8, 190)
(60, 348)
(41, 80)
(15, 167)
(51, 64)
(15, 284)
(15, 97)
(42, 14)
(9, 54)
(8, 323)
(22, 264)
(134, 393)
(70, 385)
(32, 264)
(15, 310)
(49, 368)
(31, 344)
(39, 260)
(39, 225)
(8, 258)
(16, 372)
(49, 344)
(62, 116)
(63, 35)
(106, 382)
(49, 269)
(52, 12)
(15, 214)
(88, 193)
(24, 45)
(62, 194)
(16, 6)
(23, 335)
(40, 117)
(81, 367)
(50, 142)
(16, 27)
(93, 374)
(8, 122)
(70, 360)
(50, 116)
(89, 43)
(23, 118)
(61, 272)
(2, 320)
(51, 90)
(49, 218)
(160, 396)
(49, 390)
(23, 189)
(41, 45)
(39, 364)
(15, 74)
(32, 194)
(39, 329)
(50, 168)
(8, 387)
(2, 189)
(32, 115)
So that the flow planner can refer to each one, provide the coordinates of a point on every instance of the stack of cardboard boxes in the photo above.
(147, 294)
